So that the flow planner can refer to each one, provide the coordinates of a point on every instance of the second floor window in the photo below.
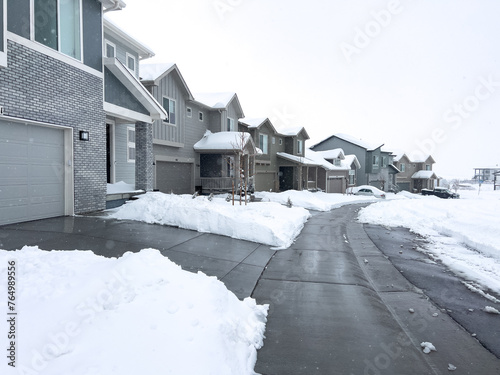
(109, 49)
(189, 112)
(427, 167)
(57, 26)
(130, 144)
(402, 167)
(263, 143)
(230, 125)
(299, 147)
(384, 161)
(169, 106)
(375, 160)
(131, 62)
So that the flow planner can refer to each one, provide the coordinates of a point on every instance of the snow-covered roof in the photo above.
(219, 100)
(151, 72)
(294, 131)
(424, 159)
(424, 175)
(111, 28)
(359, 142)
(318, 159)
(297, 159)
(349, 159)
(336, 153)
(223, 141)
(253, 123)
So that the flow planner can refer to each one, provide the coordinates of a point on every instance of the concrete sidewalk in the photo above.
(337, 304)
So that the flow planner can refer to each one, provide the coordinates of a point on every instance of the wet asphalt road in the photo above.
(438, 283)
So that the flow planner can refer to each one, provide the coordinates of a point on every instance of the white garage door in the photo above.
(31, 172)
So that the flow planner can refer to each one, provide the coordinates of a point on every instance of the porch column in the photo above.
(144, 156)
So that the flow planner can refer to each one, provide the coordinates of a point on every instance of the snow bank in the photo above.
(267, 223)
(451, 224)
(82, 314)
(318, 201)
(122, 188)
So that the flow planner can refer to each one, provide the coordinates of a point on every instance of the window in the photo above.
(169, 105)
(230, 124)
(375, 160)
(336, 162)
(274, 140)
(200, 116)
(384, 161)
(130, 62)
(402, 167)
(130, 144)
(109, 49)
(299, 146)
(352, 176)
(189, 112)
(263, 143)
(58, 26)
(281, 141)
(427, 167)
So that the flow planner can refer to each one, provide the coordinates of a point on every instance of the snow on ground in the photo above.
(317, 201)
(122, 188)
(81, 314)
(267, 223)
(464, 233)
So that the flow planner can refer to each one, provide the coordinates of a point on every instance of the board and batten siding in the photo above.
(121, 50)
(170, 87)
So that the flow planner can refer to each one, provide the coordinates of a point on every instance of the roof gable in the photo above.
(156, 72)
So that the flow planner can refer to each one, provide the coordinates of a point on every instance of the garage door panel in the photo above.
(174, 177)
(264, 181)
(32, 181)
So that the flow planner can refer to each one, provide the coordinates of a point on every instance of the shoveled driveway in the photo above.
(337, 304)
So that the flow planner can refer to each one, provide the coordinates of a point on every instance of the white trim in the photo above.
(112, 151)
(126, 114)
(201, 119)
(3, 55)
(105, 50)
(167, 143)
(54, 54)
(167, 120)
(189, 112)
(127, 56)
(173, 159)
(130, 144)
(69, 186)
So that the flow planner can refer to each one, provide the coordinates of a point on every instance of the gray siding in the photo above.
(40, 88)
(116, 93)
(349, 149)
(170, 87)
(214, 122)
(124, 170)
(121, 52)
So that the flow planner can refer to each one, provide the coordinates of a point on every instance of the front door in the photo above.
(286, 178)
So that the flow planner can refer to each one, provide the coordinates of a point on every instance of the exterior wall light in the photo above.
(84, 136)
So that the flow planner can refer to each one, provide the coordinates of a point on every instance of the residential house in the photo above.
(130, 112)
(335, 172)
(292, 166)
(485, 174)
(375, 161)
(55, 105)
(414, 175)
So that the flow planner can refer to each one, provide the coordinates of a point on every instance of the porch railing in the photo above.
(211, 184)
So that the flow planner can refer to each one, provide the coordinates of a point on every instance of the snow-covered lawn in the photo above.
(82, 314)
(464, 233)
(318, 201)
(268, 223)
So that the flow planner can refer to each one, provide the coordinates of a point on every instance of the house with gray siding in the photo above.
(376, 163)
(57, 93)
(415, 174)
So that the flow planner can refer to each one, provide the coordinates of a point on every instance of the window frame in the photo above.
(3, 40)
(384, 161)
(230, 124)
(402, 167)
(281, 142)
(189, 112)
(300, 147)
(375, 161)
(130, 56)
(58, 22)
(200, 116)
(428, 167)
(264, 141)
(168, 120)
(130, 144)
(105, 52)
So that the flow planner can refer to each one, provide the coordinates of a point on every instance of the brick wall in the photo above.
(37, 87)
(144, 156)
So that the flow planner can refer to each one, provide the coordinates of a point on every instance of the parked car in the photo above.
(368, 190)
(441, 192)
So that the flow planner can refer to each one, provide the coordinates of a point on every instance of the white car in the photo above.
(368, 190)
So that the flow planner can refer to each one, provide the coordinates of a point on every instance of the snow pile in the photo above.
(491, 310)
(449, 225)
(84, 314)
(267, 223)
(427, 347)
(317, 201)
(122, 188)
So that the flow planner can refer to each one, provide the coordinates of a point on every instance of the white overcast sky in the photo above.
(417, 75)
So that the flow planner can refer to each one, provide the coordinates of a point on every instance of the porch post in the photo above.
(144, 156)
